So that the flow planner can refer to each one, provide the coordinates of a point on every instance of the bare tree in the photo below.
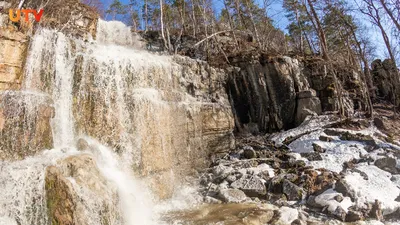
(162, 25)
(320, 31)
(390, 13)
(373, 12)
(146, 16)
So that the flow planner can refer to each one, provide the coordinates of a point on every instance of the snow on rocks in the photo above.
(378, 186)
(287, 215)
(331, 200)
(342, 170)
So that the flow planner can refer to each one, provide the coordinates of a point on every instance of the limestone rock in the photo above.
(384, 73)
(376, 211)
(342, 187)
(379, 124)
(275, 89)
(387, 164)
(25, 128)
(249, 153)
(292, 191)
(232, 195)
(66, 204)
(82, 144)
(311, 156)
(324, 138)
(353, 216)
(60, 198)
(340, 213)
(306, 107)
(13, 49)
(72, 16)
(253, 186)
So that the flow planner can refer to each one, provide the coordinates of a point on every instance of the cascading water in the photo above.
(62, 94)
(110, 75)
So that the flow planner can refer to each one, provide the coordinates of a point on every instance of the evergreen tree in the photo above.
(116, 8)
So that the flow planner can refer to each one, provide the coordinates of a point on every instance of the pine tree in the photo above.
(116, 8)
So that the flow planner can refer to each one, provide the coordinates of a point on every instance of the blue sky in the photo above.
(277, 13)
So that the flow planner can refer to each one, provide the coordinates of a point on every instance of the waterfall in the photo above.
(62, 123)
(135, 205)
(22, 200)
(90, 85)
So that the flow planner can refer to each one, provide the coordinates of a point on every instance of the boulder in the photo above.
(317, 183)
(311, 156)
(211, 200)
(342, 187)
(253, 186)
(222, 171)
(232, 195)
(82, 144)
(339, 198)
(318, 148)
(367, 139)
(378, 122)
(339, 213)
(67, 205)
(306, 94)
(353, 216)
(276, 183)
(307, 107)
(311, 202)
(292, 191)
(324, 138)
(249, 153)
(298, 222)
(387, 164)
(376, 211)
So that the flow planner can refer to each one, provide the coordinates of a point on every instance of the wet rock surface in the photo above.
(71, 185)
(25, 128)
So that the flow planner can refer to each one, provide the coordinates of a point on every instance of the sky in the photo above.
(277, 13)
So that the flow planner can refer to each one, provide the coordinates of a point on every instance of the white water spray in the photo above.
(50, 71)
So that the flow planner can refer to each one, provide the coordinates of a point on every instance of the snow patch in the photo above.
(378, 186)
(288, 215)
(328, 199)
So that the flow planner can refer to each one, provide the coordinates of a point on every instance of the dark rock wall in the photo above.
(273, 93)
(255, 99)
(386, 78)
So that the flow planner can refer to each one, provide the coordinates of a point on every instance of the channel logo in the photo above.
(15, 14)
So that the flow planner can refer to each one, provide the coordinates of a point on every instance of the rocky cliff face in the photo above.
(274, 93)
(386, 79)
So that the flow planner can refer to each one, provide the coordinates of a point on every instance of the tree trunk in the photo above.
(320, 32)
(146, 16)
(253, 24)
(373, 13)
(21, 3)
(390, 13)
(194, 18)
(231, 25)
(301, 33)
(162, 25)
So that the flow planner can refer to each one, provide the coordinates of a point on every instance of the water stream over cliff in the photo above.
(106, 67)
